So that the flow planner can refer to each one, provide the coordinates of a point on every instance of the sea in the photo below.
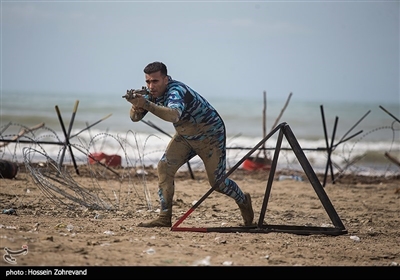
(355, 137)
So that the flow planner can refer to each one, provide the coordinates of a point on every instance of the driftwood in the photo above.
(265, 121)
(22, 132)
(264, 129)
(266, 159)
(281, 113)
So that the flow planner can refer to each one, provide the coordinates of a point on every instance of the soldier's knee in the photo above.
(162, 166)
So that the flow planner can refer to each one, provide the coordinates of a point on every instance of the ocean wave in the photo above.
(138, 148)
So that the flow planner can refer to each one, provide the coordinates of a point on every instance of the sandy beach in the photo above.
(56, 235)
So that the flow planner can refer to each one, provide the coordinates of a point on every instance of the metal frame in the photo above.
(262, 227)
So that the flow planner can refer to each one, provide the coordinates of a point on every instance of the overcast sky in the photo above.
(321, 50)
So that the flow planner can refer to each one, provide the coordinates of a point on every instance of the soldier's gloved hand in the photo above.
(138, 101)
(132, 93)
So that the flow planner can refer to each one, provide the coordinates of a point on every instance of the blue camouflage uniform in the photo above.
(200, 131)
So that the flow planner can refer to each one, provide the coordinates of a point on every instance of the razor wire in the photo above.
(59, 186)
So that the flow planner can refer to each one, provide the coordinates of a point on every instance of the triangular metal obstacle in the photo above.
(262, 227)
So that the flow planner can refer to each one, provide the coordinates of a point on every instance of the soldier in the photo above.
(200, 131)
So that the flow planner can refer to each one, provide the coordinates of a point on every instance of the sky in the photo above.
(317, 50)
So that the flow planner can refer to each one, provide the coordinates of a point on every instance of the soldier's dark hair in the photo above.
(155, 67)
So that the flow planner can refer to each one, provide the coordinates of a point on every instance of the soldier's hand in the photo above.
(138, 101)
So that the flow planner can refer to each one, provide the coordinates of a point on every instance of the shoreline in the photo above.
(366, 158)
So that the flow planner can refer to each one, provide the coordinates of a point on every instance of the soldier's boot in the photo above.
(246, 209)
(166, 194)
(163, 220)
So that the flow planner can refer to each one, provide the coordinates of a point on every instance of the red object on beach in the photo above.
(252, 164)
(109, 160)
